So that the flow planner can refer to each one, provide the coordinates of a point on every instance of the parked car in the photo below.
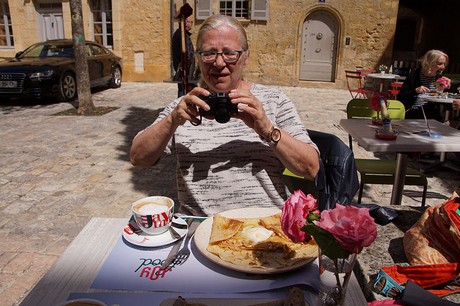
(47, 69)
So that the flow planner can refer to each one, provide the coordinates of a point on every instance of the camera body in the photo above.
(220, 105)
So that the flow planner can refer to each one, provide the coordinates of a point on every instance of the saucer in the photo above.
(385, 135)
(134, 235)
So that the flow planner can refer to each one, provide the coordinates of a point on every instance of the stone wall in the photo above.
(142, 31)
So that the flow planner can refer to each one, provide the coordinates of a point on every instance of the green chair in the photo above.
(377, 171)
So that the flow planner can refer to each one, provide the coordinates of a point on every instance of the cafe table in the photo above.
(383, 77)
(76, 269)
(412, 136)
(443, 100)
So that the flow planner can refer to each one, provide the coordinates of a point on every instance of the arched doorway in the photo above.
(319, 47)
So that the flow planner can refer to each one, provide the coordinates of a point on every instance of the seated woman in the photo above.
(421, 80)
(238, 163)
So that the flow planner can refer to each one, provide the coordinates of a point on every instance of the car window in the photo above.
(48, 51)
(59, 51)
(88, 50)
(33, 51)
(97, 50)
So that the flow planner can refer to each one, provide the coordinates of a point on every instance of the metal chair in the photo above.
(355, 84)
(377, 171)
(395, 87)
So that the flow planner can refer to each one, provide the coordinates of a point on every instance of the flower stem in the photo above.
(337, 277)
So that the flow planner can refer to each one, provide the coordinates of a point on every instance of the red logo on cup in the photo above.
(157, 220)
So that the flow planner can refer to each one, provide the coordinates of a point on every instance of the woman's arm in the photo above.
(148, 146)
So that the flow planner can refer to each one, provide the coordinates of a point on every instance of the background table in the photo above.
(78, 266)
(408, 140)
(383, 77)
(436, 99)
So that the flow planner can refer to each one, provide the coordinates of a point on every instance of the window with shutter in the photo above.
(235, 8)
(259, 10)
(203, 9)
(102, 22)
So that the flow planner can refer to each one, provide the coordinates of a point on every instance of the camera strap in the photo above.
(197, 124)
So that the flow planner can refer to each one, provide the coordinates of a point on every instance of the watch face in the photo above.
(276, 134)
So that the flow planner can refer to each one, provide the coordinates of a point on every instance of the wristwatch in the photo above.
(274, 136)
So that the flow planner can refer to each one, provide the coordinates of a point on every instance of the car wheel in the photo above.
(68, 87)
(115, 82)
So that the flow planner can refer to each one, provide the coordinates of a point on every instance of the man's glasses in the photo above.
(229, 56)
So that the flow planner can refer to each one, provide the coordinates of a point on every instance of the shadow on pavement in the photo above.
(159, 179)
(11, 105)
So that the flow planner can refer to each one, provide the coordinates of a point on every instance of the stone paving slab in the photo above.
(56, 172)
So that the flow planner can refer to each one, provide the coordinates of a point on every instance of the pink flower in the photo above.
(353, 228)
(294, 214)
(442, 83)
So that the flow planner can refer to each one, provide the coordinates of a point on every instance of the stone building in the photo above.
(292, 42)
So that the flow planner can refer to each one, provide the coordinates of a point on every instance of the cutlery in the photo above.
(184, 253)
(175, 248)
(189, 216)
(174, 233)
(175, 225)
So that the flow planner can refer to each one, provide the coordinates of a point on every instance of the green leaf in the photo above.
(326, 242)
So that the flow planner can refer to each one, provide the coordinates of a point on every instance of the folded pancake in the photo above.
(257, 243)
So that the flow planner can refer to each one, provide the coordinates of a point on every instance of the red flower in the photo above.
(375, 101)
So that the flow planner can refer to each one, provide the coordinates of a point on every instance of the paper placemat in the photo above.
(134, 268)
(162, 298)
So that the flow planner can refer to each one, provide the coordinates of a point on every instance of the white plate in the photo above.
(203, 233)
(133, 235)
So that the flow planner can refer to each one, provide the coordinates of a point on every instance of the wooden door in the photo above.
(51, 21)
(319, 43)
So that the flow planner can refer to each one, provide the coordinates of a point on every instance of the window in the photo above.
(102, 22)
(241, 9)
(235, 8)
(6, 30)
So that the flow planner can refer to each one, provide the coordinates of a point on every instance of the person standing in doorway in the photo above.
(177, 55)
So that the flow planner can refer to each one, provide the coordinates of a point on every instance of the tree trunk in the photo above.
(85, 104)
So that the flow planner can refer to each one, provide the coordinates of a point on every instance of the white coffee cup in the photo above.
(154, 214)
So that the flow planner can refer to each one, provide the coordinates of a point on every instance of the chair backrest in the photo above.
(354, 81)
(354, 77)
(365, 72)
(337, 180)
(395, 87)
(361, 109)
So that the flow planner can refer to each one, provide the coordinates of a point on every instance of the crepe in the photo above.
(257, 243)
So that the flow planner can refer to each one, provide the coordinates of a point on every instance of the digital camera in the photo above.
(220, 107)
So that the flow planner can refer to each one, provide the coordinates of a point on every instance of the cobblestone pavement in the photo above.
(56, 172)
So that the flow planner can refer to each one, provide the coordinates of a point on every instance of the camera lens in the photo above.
(221, 113)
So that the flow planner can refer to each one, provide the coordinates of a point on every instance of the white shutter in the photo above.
(259, 10)
(203, 9)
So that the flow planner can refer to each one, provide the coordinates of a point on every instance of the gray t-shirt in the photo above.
(227, 166)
